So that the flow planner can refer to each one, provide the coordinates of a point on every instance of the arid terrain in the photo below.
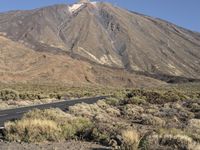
(153, 119)
(148, 68)
(95, 43)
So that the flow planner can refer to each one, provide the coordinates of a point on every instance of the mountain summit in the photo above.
(101, 34)
(84, 1)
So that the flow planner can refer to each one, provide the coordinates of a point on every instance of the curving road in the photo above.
(17, 113)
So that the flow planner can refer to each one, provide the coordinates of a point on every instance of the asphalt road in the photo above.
(13, 114)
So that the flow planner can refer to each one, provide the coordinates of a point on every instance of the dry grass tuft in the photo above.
(33, 130)
(178, 141)
(47, 125)
(131, 139)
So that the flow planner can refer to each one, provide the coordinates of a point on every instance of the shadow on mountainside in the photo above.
(169, 78)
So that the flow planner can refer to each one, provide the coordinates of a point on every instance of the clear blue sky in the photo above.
(185, 13)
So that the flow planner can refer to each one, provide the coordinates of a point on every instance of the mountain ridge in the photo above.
(102, 34)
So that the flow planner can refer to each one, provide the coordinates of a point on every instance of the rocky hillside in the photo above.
(19, 63)
(98, 35)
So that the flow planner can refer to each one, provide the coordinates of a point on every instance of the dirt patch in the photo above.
(69, 145)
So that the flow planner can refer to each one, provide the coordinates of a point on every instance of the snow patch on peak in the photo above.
(75, 7)
(88, 2)
(94, 3)
(84, 1)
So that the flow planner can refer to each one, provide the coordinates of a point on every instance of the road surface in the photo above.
(17, 113)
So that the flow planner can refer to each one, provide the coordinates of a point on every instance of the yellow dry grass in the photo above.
(33, 130)
(131, 139)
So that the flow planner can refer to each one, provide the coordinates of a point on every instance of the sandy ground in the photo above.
(70, 145)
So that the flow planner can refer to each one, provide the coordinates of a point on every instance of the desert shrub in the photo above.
(194, 123)
(193, 95)
(178, 141)
(172, 131)
(135, 92)
(23, 96)
(153, 97)
(33, 126)
(112, 101)
(158, 97)
(32, 130)
(193, 129)
(119, 94)
(55, 95)
(173, 138)
(100, 136)
(171, 96)
(148, 119)
(56, 115)
(82, 126)
(144, 143)
(182, 114)
(76, 128)
(4, 105)
(195, 107)
(68, 131)
(42, 96)
(113, 111)
(131, 139)
(132, 111)
(8, 94)
(104, 119)
(28, 96)
(100, 110)
(85, 110)
(198, 94)
(87, 94)
(137, 100)
(32, 96)
(141, 95)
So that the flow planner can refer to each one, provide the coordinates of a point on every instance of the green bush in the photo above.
(8, 94)
(138, 100)
(55, 95)
(68, 131)
(135, 92)
(171, 96)
(119, 94)
(112, 101)
(82, 127)
(32, 96)
(100, 136)
(155, 97)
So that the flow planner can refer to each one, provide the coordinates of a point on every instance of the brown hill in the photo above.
(100, 35)
(21, 64)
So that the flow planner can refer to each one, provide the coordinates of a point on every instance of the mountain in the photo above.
(101, 36)
(19, 63)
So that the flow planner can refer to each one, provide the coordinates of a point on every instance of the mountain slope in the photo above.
(21, 64)
(99, 33)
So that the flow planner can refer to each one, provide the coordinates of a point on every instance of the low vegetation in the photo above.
(46, 125)
(131, 139)
(14, 95)
(32, 92)
(129, 119)
(9, 94)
